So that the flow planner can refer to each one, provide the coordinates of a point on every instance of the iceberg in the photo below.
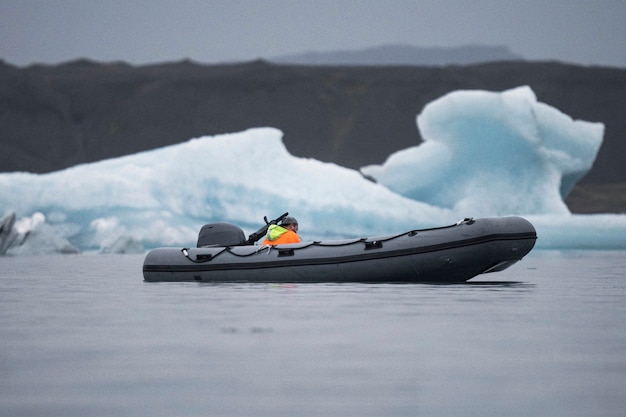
(7, 233)
(164, 196)
(498, 153)
(484, 154)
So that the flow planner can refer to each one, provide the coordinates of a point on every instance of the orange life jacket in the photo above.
(278, 235)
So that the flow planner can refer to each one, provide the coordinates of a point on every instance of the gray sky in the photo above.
(588, 32)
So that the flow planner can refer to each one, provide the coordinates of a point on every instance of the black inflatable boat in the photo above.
(452, 253)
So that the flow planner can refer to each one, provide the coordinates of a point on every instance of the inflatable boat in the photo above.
(454, 253)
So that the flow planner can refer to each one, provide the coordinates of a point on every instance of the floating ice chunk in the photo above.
(493, 154)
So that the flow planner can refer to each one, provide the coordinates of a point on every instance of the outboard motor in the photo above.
(220, 234)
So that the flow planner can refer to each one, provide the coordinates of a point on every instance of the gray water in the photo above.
(85, 336)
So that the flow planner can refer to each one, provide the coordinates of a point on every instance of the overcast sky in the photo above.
(588, 32)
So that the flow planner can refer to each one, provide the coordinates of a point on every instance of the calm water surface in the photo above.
(85, 336)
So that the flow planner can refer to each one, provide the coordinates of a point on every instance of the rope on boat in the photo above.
(201, 257)
(373, 244)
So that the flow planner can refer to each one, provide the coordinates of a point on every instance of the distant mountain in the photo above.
(403, 55)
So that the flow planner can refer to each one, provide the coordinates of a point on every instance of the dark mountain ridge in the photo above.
(53, 117)
(403, 55)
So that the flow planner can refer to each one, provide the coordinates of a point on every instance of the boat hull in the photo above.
(454, 253)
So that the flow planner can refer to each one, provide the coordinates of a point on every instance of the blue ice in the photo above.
(484, 154)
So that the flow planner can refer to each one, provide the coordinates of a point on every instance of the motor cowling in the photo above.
(220, 234)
